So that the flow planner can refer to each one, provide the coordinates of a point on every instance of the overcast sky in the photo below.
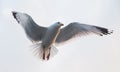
(86, 54)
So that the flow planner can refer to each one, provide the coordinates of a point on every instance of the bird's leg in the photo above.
(43, 52)
(44, 55)
(48, 56)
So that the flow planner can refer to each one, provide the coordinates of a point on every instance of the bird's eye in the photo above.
(58, 22)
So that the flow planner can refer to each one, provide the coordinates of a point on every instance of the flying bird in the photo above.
(44, 38)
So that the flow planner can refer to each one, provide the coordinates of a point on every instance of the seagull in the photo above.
(44, 38)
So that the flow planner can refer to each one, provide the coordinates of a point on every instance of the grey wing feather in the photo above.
(40, 32)
(36, 32)
(76, 29)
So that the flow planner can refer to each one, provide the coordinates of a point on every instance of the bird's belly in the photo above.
(50, 38)
(48, 41)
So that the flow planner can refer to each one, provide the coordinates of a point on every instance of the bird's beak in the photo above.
(62, 24)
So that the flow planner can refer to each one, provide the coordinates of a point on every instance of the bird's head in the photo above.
(21, 17)
(56, 25)
(59, 24)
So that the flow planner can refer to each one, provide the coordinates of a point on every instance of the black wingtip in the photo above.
(104, 31)
(14, 14)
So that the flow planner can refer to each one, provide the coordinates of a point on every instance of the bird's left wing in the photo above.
(76, 29)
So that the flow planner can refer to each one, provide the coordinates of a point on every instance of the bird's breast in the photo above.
(50, 37)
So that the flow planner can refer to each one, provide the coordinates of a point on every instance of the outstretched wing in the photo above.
(33, 31)
(77, 29)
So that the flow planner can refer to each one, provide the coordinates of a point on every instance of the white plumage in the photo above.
(45, 37)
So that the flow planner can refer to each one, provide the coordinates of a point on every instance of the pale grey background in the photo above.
(86, 54)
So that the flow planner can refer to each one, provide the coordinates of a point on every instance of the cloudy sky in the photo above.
(86, 54)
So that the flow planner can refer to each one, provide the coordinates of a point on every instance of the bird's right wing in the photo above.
(77, 29)
(37, 33)
(33, 31)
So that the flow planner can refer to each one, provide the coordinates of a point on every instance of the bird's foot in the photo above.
(48, 56)
(43, 56)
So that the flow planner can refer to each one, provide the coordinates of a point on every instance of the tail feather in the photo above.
(53, 51)
(37, 50)
(43, 53)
